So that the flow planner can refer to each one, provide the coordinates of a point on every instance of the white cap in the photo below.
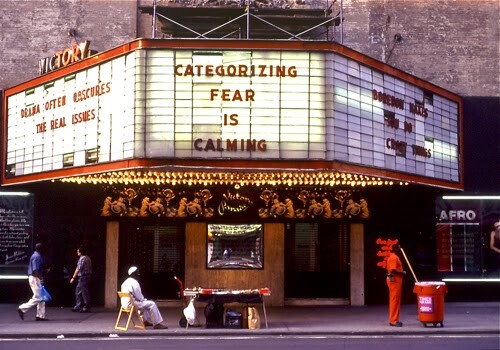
(132, 270)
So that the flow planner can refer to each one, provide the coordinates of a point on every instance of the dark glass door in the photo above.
(158, 251)
(316, 260)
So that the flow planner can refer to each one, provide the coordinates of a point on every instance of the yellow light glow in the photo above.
(207, 178)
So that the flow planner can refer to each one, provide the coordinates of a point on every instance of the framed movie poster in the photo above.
(235, 246)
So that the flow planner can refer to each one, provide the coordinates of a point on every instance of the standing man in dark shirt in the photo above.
(83, 272)
(35, 278)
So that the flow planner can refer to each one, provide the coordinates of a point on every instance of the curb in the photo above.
(428, 332)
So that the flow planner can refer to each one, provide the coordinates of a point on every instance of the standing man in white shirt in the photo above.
(148, 308)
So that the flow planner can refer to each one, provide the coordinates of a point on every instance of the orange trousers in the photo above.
(395, 289)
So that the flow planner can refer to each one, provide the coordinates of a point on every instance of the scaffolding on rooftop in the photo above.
(248, 22)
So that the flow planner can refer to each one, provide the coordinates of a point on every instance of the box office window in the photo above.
(235, 246)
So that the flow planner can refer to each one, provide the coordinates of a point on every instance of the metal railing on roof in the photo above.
(332, 19)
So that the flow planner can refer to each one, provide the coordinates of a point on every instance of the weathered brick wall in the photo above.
(34, 29)
(454, 44)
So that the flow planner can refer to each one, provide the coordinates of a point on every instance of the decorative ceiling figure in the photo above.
(156, 207)
(106, 208)
(119, 207)
(144, 211)
(317, 204)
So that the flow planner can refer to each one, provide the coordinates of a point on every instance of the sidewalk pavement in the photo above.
(459, 318)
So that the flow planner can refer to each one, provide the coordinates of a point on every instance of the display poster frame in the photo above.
(235, 246)
(464, 228)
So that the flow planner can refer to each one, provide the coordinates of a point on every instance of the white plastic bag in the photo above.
(190, 313)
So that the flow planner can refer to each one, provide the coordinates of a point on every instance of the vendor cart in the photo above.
(216, 298)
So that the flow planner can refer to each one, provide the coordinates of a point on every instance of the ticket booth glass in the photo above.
(317, 260)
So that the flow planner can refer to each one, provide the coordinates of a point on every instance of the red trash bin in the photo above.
(430, 299)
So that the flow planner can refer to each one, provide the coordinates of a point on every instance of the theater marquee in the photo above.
(156, 100)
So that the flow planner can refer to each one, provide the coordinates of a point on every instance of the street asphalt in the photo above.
(459, 318)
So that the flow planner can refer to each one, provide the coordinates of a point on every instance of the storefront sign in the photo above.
(231, 104)
(296, 204)
(458, 215)
(392, 122)
(465, 234)
(65, 57)
(385, 247)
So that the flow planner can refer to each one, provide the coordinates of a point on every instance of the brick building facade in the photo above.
(453, 44)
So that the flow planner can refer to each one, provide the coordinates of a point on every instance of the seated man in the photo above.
(148, 309)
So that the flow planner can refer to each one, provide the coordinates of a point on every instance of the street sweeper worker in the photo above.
(395, 275)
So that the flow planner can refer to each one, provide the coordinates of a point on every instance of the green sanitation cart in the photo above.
(430, 299)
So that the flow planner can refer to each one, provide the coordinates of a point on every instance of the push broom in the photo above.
(409, 265)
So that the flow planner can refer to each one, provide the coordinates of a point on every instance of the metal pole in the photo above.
(408, 262)
(342, 21)
(248, 19)
(154, 20)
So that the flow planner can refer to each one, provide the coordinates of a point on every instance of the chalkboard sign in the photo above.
(16, 231)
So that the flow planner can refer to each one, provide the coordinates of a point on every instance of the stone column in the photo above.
(357, 265)
(111, 277)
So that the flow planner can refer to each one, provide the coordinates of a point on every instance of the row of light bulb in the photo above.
(131, 177)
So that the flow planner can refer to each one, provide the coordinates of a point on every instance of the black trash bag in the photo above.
(214, 315)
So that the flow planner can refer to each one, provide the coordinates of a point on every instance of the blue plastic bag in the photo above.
(45, 294)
